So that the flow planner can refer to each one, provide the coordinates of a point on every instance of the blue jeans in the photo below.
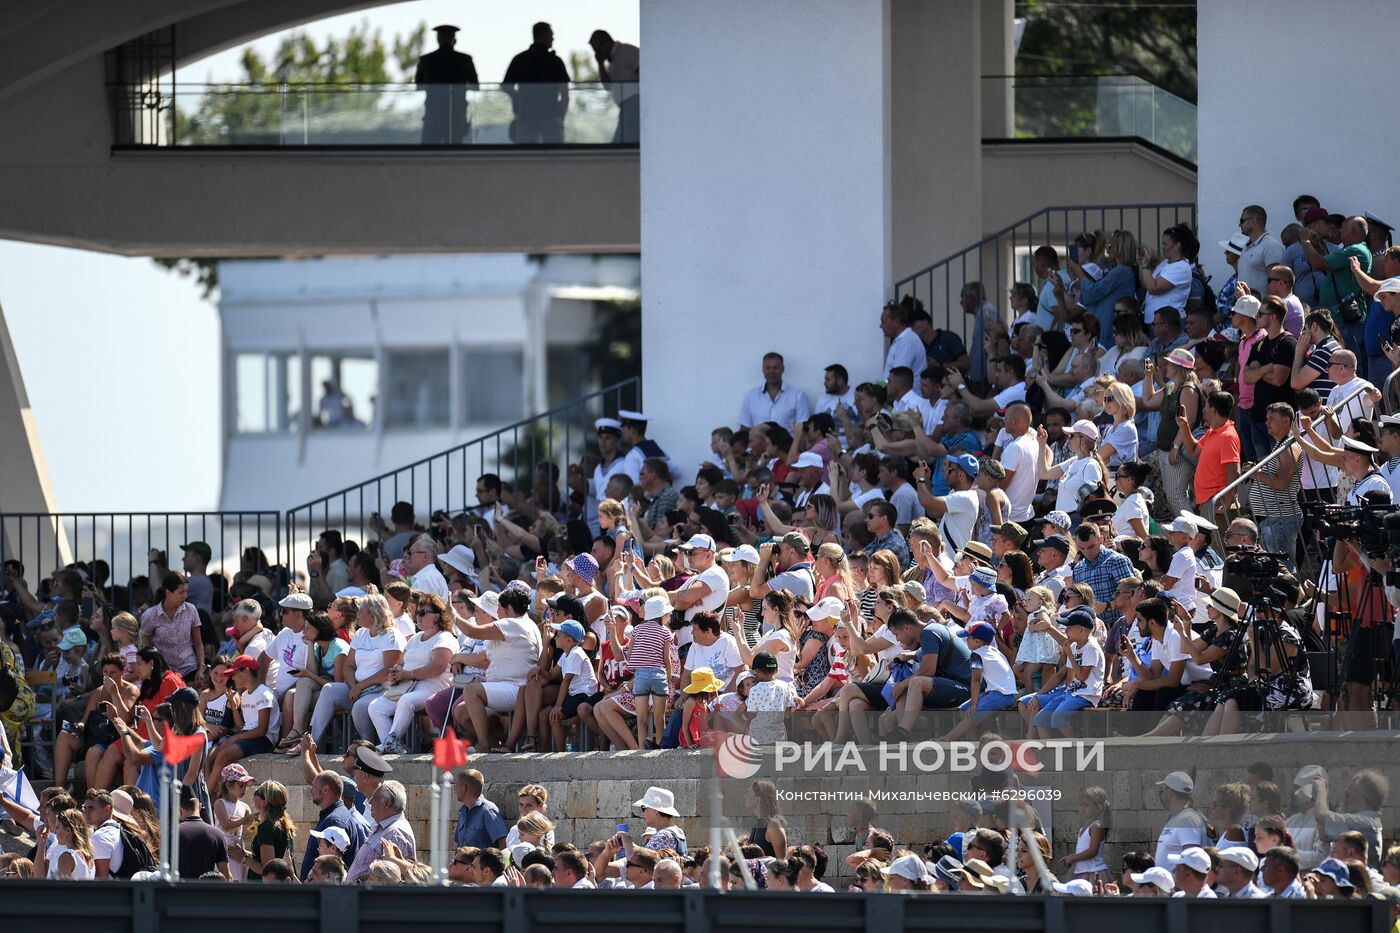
(1043, 698)
(1243, 418)
(649, 681)
(1259, 440)
(1280, 535)
(990, 702)
(1055, 712)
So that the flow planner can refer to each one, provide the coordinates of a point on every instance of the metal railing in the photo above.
(377, 115)
(1213, 504)
(45, 542)
(446, 481)
(1097, 106)
(1001, 259)
(160, 908)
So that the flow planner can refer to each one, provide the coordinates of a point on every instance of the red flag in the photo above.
(449, 752)
(180, 747)
(1024, 758)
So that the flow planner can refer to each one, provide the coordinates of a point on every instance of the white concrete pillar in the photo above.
(765, 220)
(26, 488)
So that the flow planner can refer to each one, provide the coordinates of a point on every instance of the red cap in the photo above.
(1313, 215)
(243, 663)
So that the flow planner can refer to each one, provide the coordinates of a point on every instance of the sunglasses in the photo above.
(457, 861)
(635, 865)
(429, 611)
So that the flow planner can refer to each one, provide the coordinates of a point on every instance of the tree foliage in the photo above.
(1155, 39)
(247, 108)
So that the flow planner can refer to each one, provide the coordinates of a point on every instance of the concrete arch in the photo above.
(39, 42)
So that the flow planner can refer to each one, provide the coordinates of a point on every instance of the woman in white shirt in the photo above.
(375, 648)
(1129, 342)
(1168, 283)
(1132, 515)
(71, 854)
(1080, 474)
(779, 636)
(424, 672)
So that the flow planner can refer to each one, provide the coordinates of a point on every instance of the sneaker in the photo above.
(43, 762)
(391, 746)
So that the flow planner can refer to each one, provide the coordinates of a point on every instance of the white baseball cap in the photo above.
(829, 607)
(745, 553)
(1242, 856)
(335, 836)
(806, 460)
(700, 542)
(1076, 888)
(1178, 781)
(1193, 857)
(1155, 875)
(1182, 526)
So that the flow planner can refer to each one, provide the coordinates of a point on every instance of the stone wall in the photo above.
(592, 792)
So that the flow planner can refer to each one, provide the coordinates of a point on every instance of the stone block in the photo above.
(581, 801)
(615, 800)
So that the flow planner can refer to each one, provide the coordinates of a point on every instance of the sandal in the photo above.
(293, 738)
(528, 745)
(502, 750)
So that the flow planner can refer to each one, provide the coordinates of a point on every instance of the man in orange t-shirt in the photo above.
(1217, 453)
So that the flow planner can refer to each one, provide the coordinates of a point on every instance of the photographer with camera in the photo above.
(1357, 559)
(1276, 644)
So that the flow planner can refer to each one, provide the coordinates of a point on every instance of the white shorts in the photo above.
(501, 696)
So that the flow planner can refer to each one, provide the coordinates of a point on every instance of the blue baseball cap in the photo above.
(1081, 615)
(985, 576)
(982, 631)
(965, 462)
(1336, 870)
(573, 629)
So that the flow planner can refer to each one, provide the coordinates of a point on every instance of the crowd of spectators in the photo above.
(1018, 532)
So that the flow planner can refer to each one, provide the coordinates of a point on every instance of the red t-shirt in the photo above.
(168, 685)
(1219, 446)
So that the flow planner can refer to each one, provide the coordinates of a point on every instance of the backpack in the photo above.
(136, 855)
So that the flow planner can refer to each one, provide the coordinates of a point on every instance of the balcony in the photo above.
(164, 115)
(1062, 107)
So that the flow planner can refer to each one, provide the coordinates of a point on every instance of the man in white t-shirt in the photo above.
(286, 652)
(1180, 578)
(1341, 369)
(708, 588)
(1184, 827)
(248, 629)
(1020, 458)
(710, 647)
(106, 833)
(1008, 376)
(420, 562)
(957, 511)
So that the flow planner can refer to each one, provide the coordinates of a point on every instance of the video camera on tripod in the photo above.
(1254, 574)
(1375, 527)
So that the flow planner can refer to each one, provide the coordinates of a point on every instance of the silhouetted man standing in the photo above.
(446, 75)
(538, 85)
(619, 67)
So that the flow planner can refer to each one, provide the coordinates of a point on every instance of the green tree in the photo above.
(252, 110)
(1149, 38)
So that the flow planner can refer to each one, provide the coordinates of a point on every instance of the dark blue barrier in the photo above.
(125, 907)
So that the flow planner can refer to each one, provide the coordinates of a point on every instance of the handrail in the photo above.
(1386, 394)
(445, 481)
(996, 259)
(499, 432)
(1230, 487)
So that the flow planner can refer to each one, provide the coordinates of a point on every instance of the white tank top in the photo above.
(82, 871)
(1090, 864)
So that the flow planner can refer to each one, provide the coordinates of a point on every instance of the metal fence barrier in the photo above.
(45, 542)
(125, 907)
(446, 481)
(998, 261)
